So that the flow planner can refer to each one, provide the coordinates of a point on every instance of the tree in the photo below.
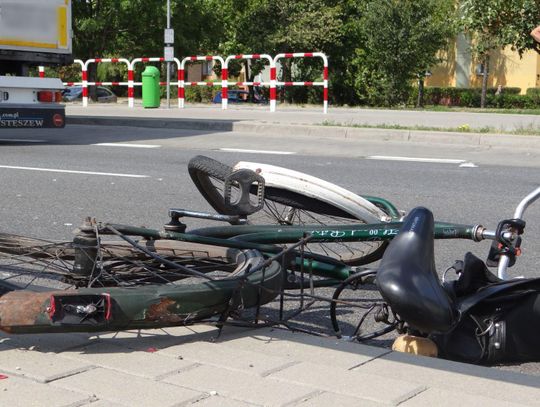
(134, 28)
(401, 40)
(95, 30)
(264, 26)
(493, 24)
(523, 16)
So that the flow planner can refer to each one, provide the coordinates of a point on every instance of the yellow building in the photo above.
(506, 68)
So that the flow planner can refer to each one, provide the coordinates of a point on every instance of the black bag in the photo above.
(503, 328)
(499, 320)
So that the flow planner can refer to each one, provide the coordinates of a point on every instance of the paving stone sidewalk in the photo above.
(340, 123)
(193, 366)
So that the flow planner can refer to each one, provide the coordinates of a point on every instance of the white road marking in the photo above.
(20, 140)
(468, 165)
(110, 174)
(128, 145)
(240, 150)
(416, 159)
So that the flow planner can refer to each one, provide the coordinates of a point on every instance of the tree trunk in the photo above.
(287, 77)
(420, 100)
(92, 77)
(249, 77)
(485, 75)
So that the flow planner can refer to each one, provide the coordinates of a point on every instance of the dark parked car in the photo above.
(240, 96)
(104, 95)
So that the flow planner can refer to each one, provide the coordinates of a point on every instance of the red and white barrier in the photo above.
(182, 75)
(41, 70)
(224, 83)
(225, 77)
(85, 82)
(324, 83)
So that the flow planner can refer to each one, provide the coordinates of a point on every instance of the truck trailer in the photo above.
(33, 33)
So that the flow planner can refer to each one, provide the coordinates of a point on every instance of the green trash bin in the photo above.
(150, 87)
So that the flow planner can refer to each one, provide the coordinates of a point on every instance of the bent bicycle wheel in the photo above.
(43, 290)
(293, 198)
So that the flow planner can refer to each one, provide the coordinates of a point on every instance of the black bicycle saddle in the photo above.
(408, 281)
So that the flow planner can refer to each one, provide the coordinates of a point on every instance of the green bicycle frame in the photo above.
(267, 238)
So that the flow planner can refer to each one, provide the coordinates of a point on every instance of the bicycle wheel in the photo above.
(29, 261)
(360, 317)
(289, 203)
(42, 288)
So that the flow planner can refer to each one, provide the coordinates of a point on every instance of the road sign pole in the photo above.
(168, 63)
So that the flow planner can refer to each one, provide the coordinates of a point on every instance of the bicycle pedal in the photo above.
(246, 183)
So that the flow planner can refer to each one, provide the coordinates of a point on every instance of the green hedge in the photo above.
(193, 94)
(509, 98)
(533, 92)
(200, 94)
(504, 101)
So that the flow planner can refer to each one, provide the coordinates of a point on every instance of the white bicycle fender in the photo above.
(317, 188)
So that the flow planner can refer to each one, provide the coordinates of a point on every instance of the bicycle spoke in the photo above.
(274, 212)
(26, 262)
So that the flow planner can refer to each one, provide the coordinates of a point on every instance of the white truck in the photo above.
(33, 33)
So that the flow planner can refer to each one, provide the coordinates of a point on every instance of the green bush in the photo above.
(533, 92)
(200, 94)
(303, 94)
(470, 97)
(509, 91)
(510, 101)
(163, 91)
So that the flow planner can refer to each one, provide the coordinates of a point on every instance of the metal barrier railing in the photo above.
(223, 83)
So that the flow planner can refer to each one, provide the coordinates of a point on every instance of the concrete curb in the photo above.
(302, 130)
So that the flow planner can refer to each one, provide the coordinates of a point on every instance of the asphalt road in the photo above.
(53, 179)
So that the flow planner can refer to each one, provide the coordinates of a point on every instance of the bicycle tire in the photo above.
(209, 176)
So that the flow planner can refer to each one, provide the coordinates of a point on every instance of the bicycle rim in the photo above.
(304, 211)
(42, 289)
(26, 262)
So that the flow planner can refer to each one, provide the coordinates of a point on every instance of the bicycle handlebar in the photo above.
(504, 260)
(524, 204)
